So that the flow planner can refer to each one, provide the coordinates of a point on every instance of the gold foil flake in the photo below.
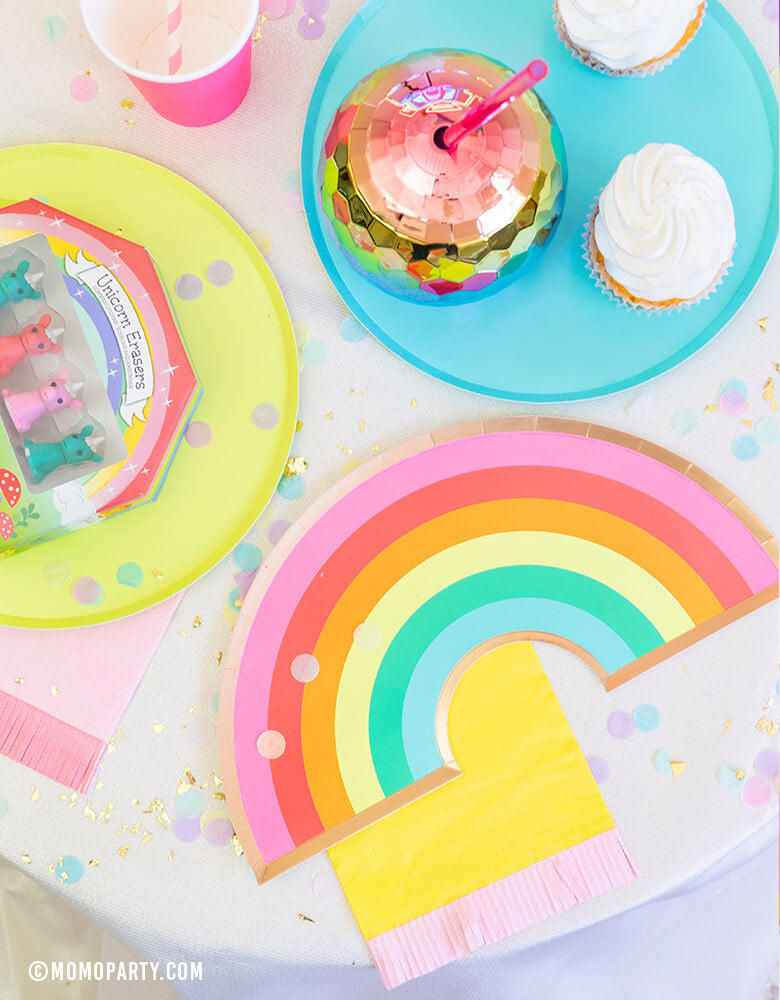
(51, 867)
(739, 774)
(189, 775)
(295, 466)
(302, 916)
(329, 416)
(100, 784)
(170, 856)
(93, 863)
(123, 827)
(765, 708)
(217, 779)
(73, 797)
(19, 680)
(747, 423)
(362, 425)
(677, 766)
(162, 822)
(136, 802)
(146, 836)
(762, 324)
(154, 806)
(376, 448)
(182, 632)
(183, 786)
(130, 122)
(236, 846)
(63, 798)
(122, 851)
(219, 795)
(89, 812)
(766, 726)
(120, 734)
(157, 728)
(136, 826)
(25, 859)
(414, 404)
(769, 393)
(55, 690)
(126, 103)
(726, 726)
(197, 621)
(219, 657)
(298, 425)
(776, 365)
(35, 794)
(257, 34)
(711, 408)
(356, 392)
(344, 450)
(110, 748)
(202, 859)
(158, 574)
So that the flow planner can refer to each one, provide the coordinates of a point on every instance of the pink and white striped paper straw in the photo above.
(174, 36)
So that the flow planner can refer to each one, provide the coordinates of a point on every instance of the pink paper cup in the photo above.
(216, 46)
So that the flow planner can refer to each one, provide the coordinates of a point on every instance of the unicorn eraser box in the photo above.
(96, 386)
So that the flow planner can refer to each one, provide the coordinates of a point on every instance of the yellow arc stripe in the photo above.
(542, 548)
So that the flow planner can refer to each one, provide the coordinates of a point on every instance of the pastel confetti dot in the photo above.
(727, 777)
(70, 870)
(188, 287)
(767, 763)
(620, 725)
(732, 403)
(214, 704)
(685, 422)
(3, 808)
(293, 200)
(316, 8)
(201, 731)
(219, 273)
(291, 182)
(130, 574)
(735, 385)
(662, 763)
(315, 352)
(186, 828)
(55, 27)
(642, 408)
(247, 556)
(262, 241)
(774, 76)
(265, 416)
(756, 793)
(305, 667)
(83, 88)
(767, 431)
(56, 572)
(352, 330)
(291, 487)
(367, 636)
(85, 590)
(311, 28)
(646, 718)
(190, 804)
(326, 886)
(274, 9)
(198, 434)
(208, 693)
(276, 529)
(770, 10)
(745, 447)
(270, 744)
(218, 832)
(599, 768)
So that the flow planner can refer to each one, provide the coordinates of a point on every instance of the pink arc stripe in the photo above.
(510, 905)
(464, 455)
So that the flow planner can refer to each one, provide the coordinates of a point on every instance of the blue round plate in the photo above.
(551, 335)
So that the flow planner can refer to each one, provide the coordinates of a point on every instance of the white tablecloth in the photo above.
(204, 903)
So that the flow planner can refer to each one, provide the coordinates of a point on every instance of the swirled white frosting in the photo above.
(665, 224)
(624, 34)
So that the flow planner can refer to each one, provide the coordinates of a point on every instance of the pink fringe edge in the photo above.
(47, 744)
(506, 907)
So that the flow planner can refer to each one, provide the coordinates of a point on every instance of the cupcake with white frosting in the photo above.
(627, 37)
(662, 233)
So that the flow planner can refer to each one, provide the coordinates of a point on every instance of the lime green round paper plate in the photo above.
(241, 342)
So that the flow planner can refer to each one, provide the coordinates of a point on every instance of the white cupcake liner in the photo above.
(589, 256)
(587, 59)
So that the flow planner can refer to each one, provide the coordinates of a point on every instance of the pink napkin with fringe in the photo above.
(62, 693)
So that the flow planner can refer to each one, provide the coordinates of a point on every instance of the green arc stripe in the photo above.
(450, 604)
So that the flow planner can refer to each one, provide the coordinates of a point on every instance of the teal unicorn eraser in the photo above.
(45, 458)
(14, 286)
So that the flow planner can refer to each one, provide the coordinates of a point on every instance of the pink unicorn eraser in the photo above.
(24, 408)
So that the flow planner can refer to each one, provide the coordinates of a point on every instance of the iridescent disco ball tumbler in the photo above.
(428, 218)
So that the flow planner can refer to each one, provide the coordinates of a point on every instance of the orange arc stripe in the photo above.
(395, 561)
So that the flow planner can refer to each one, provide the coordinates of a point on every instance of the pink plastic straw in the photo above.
(495, 102)
(174, 36)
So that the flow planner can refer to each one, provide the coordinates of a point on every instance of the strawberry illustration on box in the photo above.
(96, 384)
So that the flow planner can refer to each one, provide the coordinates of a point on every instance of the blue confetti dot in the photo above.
(745, 447)
(215, 703)
(685, 422)
(291, 487)
(315, 352)
(247, 556)
(734, 385)
(767, 431)
(727, 776)
(69, 870)
(647, 718)
(291, 182)
(130, 574)
(663, 764)
(3, 808)
(189, 804)
(232, 600)
(352, 330)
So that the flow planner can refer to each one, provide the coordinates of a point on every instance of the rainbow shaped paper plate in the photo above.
(346, 652)
(551, 335)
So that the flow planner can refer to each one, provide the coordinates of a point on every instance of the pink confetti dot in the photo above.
(198, 434)
(315, 8)
(620, 725)
(767, 763)
(201, 731)
(311, 28)
(732, 403)
(271, 744)
(305, 667)
(218, 832)
(327, 886)
(274, 9)
(85, 590)
(756, 793)
(83, 88)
